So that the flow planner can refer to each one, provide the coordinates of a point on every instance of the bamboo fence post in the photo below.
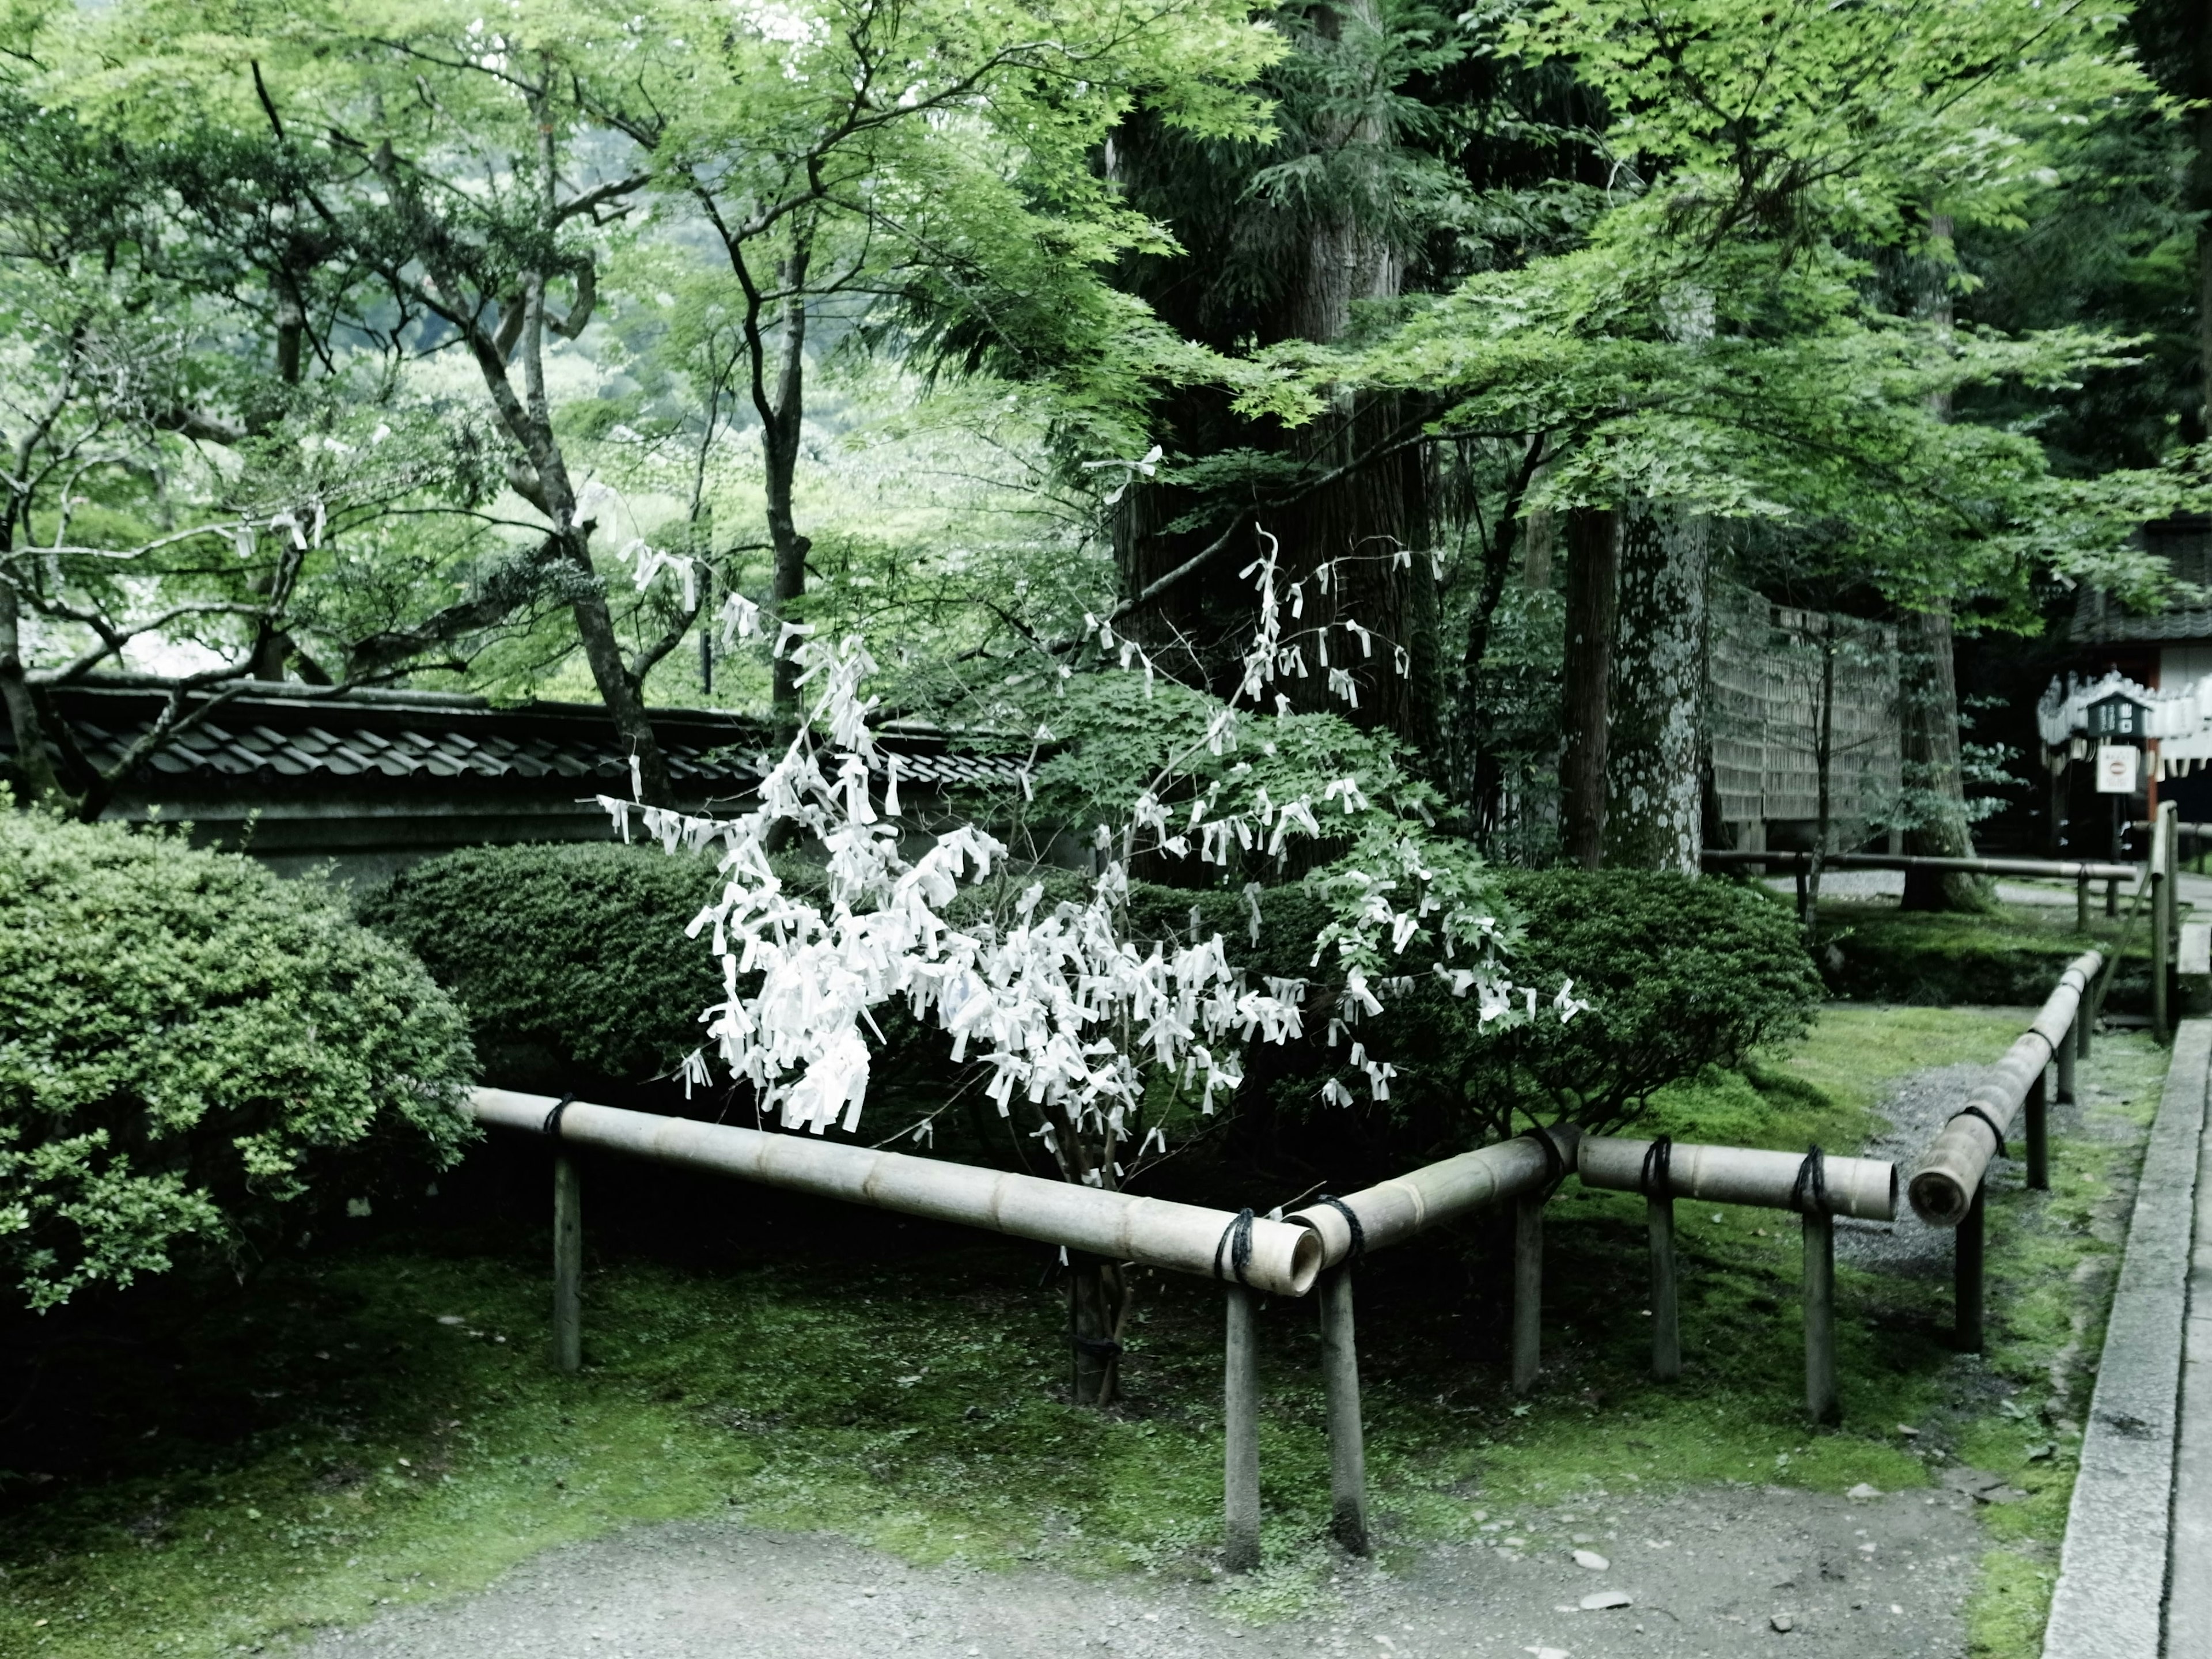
(2085, 1020)
(1240, 1424)
(1527, 1289)
(1666, 1316)
(568, 1264)
(1966, 1275)
(2161, 934)
(1340, 1375)
(2081, 903)
(2039, 1132)
(2067, 1052)
(1819, 1295)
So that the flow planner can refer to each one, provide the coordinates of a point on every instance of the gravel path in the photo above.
(1705, 1573)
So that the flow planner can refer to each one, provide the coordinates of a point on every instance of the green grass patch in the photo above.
(377, 1426)
(1874, 952)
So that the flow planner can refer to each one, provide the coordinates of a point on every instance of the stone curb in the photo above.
(2113, 1573)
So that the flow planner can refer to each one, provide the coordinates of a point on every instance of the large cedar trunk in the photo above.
(1655, 817)
(1929, 731)
(1307, 273)
(1592, 594)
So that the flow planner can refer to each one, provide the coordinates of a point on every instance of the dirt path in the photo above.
(1705, 1573)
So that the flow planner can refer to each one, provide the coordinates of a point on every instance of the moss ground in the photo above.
(377, 1425)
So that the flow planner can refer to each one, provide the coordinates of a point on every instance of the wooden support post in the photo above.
(1666, 1318)
(2038, 1112)
(1804, 916)
(2082, 903)
(1528, 1290)
(2067, 1050)
(1240, 1423)
(2161, 951)
(567, 1265)
(2085, 1017)
(1819, 1293)
(1966, 1275)
(1340, 1379)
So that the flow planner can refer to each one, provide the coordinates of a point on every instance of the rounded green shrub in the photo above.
(570, 960)
(1679, 973)
(196, 1056)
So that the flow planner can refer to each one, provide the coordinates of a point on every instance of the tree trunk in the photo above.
(1369, 522)
(1655, 816)
(1937, 827)
(1592, 598)
(39, 778)
(2200, 181)
(782, 421)
(1097, 1298)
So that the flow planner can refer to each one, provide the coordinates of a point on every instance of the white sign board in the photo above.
(2116, 768)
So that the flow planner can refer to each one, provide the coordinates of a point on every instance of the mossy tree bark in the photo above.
(1592, 596)
(1930, 734)
(1358, 492)
(1655, 817)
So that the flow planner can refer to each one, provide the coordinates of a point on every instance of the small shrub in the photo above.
(568, 956)
(1680, 975)
(196, 1054)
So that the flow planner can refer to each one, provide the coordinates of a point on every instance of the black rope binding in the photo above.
(1658, 1178)
(1810, 1196)
(1555, 1166)
(1972, 1110)
(1099, 1347)
(1358, 1232)
(553, 1117)
(1235, 1241)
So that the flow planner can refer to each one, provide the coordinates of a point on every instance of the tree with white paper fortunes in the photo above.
(1091, 1037)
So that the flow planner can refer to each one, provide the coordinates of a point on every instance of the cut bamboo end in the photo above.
(1864, 1189)
(1394, 1210)
(1942, 1185)
(1275, 1257)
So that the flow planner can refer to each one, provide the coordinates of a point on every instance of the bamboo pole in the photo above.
(1819, 1297)
(2066, 1053)
(2038, 1131)
(1943, 1187)
(568, 1264)
(1272, 1256)
(1240, 1427)
(2085, 1025)
(1340, 1375)
(1393, 1210)
(1527, 1289)
(2055, 869)
(2161, 920)
(1666, 1314)
(1864, 1187)
(1966, 1275)
(2082, 903)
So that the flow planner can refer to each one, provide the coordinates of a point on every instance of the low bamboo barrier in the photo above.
(1948, 1186)
(1521, 1171)
(1819, 1187)
(1246, 1252)
(1270, 1256)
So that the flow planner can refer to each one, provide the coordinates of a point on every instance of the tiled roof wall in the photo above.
(434, 743)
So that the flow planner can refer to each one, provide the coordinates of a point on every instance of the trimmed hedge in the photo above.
(570, 960)
(196, 1055)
